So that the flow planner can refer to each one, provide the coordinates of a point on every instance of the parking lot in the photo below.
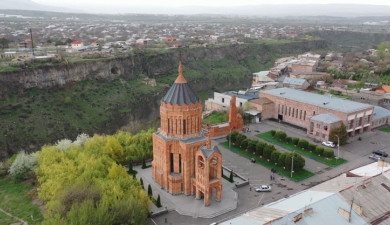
(356, 153)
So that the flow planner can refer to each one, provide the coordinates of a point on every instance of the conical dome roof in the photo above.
(180, 93)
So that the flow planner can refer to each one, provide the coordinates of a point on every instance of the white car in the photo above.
(263, 188)
(375, 157)
(328, 144)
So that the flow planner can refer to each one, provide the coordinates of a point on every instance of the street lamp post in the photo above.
(292, 163)
(338, 147)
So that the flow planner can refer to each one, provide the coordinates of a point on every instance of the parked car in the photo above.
(375, 157)
(263, 188)
(253, 160)
(380, 153)
(328, 144)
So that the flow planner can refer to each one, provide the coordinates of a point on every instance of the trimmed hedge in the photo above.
(273, 132)
(288, 140)
(311, 147)
(319, 150)
(329, 153)
(295, 141)
(303, 144)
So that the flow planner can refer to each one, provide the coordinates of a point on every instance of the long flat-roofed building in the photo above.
(318, 113)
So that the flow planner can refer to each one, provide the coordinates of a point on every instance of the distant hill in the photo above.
(30, 5)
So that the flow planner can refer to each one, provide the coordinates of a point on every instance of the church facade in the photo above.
(184, 162)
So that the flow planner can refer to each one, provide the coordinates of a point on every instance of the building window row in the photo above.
(291, 112)
(183, 126)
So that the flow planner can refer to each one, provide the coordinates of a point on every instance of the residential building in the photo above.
(358, 197)
(221, 100)
(310, 75)
(299, 107)
(381, 117)
(383, 89)
(183, 159)
(295, 83)
(261, 77)
(303, 65)
(310, 56)
(76, 44)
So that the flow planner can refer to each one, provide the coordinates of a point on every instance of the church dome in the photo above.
(180, 93)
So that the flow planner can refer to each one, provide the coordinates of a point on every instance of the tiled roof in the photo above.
(323, 101)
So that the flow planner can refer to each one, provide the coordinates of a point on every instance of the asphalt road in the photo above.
(356, 153)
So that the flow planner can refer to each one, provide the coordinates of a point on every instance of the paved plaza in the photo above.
(356, 153)
(188, 205)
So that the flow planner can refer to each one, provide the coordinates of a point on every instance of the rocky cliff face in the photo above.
(150, 65)
(108, 94)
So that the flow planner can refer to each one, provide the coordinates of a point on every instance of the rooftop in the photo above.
(322, 101)
(249, 95)
(261, 73)
(380, 113)
(294, 81)
(326, 118)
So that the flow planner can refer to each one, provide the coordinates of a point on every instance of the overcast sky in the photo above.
(176, 3)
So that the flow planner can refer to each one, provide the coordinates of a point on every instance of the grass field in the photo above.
(297, 176)
(217, 117)
(14, 199)
(330, 162)
(385, 129)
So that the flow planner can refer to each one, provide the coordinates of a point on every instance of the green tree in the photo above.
(383, 49)
(130, 167)
(319, 150)
(303, 144)
(141, 182)
(282, 159)
(295, 141)
(244, 144)
(328, 153)
(231, 177)
(158, 201)
(4, 43)
(143, 164)
(288, 140)
(341, 132)
(281, 135)
(273, 132)
(252, 145)
(150, 192)
(311, 147)
(268, 151)
(260, 147)
(239, 139)
(275, 156)
(234, 136)
(299, 162)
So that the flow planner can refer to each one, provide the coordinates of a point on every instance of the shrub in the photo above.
(23, 166)
(244, 144)
(240, 138)
(150, 192)
(141, 182)
(319, 150)
(282, 159)
(273, 132)
(233, 136)
(143, 164)
(281, 135)
(231, 177)
(158, 201)
(328, 153)
(3, 169)
(303, 144)
(260, 147)
(268, 151)
(288, 140)
(81, 139)
(275, 156)
(252, 145)
(311, 147)
(64, 144)
(295, 141)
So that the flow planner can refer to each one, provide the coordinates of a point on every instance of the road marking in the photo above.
(260, 199)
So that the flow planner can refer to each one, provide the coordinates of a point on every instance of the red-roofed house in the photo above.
(169, 39)
(76, 44)
(383, 89)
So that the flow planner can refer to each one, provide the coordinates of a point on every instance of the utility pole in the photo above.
(32, 42)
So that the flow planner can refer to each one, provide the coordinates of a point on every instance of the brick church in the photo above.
(183, 159)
